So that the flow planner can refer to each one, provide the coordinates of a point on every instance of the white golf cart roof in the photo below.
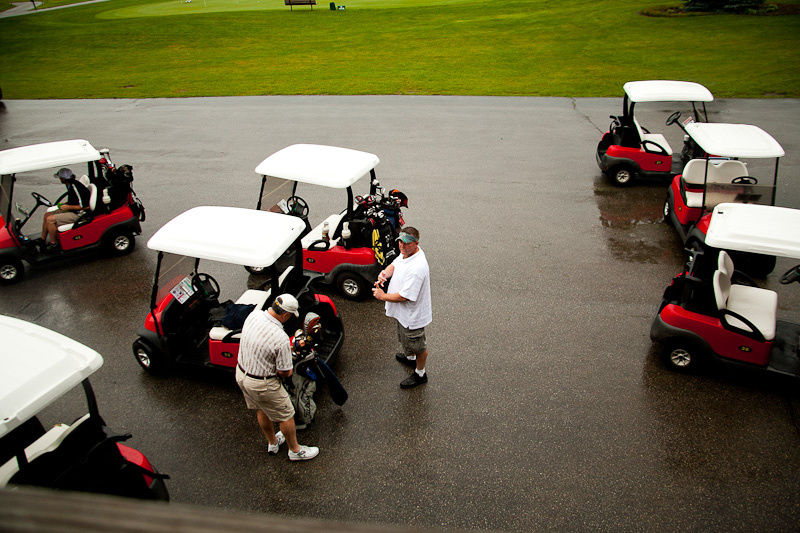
(667, 91)
(37, 366)
(228, 234)
(316, 164)
(755, 228)
(47, 155)
(734, 140)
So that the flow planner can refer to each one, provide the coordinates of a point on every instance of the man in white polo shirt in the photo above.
(408, 300)
(265, 355)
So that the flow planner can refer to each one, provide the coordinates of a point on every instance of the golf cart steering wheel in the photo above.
(673, 118)
(207, 284)
(41, 199)
(793, 274)
(297, 206)
(744, 180)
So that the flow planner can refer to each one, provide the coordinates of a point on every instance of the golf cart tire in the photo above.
(352, 286)
(622, 175)
(667, 210)
(11, 270)
(256, 271)
(683, 356)
(153, 361)
(120, 243)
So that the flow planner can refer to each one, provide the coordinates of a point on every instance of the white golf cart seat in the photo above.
(655, 138)
(92, 205)
(316, 233)
(46, 443)
(759, 306)
(249, 297)
(719, 171)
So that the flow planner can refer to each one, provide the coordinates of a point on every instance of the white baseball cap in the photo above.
(288, 303)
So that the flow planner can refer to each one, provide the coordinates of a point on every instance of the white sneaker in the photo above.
(304, 454)
(273, 448)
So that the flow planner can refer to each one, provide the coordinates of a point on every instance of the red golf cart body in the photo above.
(712, 310)
(628, 150)
(110, 223)
(38, 367)
(723, 178)
(188, 324)
(360, 239)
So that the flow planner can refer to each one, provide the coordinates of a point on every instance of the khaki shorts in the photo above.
(412, 340)
(268, 395)
(65, 217)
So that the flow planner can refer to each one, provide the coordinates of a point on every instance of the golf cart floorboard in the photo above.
(784, 357)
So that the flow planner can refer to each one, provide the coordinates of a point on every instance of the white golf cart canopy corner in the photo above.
(37, 366)
(667, 91)
(317, 164)
(47, 155)
(229, 235)
(755, 228)
(734, 140)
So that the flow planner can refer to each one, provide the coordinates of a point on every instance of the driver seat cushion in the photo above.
(92, 206)
(250, 297)
(759, 306)
(656, 138)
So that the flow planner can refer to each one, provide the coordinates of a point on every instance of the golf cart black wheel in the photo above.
(682, 356)
(11, 270)
(120, 243)
(667, 210)
(352, 286)
(255, 270)
(622, 176)
(152, 360)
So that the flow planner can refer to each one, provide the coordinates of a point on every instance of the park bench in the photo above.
(292, 3)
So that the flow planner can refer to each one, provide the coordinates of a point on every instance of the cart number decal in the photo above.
(745, 349)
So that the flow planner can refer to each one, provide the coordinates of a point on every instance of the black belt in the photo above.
(249, 375)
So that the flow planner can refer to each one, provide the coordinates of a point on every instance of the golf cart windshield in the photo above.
(666, 91)
(313, 164)
(729, 143)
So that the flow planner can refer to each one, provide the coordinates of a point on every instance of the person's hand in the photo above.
(381, 279)
(378, 293)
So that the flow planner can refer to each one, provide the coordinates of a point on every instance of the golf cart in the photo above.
(39, 367)
(188, 324)
(713, 311)
(109, 224)
(722, 178)
(628, 150)
(350, 247)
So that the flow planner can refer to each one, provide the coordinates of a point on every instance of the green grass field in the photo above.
(141, 48)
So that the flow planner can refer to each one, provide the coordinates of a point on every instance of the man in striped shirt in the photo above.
(265, 355)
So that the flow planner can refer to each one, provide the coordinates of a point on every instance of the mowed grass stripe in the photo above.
(131, 48)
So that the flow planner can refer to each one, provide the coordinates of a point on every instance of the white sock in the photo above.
(411, 358)
(419, 372)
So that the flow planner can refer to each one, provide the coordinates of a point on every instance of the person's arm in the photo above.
(394, 297)
(384, 274)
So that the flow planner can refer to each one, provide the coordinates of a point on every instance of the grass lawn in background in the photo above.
(140, 48)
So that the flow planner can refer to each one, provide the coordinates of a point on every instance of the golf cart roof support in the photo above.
(47, 155)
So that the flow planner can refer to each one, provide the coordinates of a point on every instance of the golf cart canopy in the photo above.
(228, 234)
(37, 366)
(316, 164)
(755, 228)
(667, 91)
(734, 140)
(47, 155)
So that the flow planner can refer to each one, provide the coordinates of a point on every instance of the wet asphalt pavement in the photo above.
(547, 405)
